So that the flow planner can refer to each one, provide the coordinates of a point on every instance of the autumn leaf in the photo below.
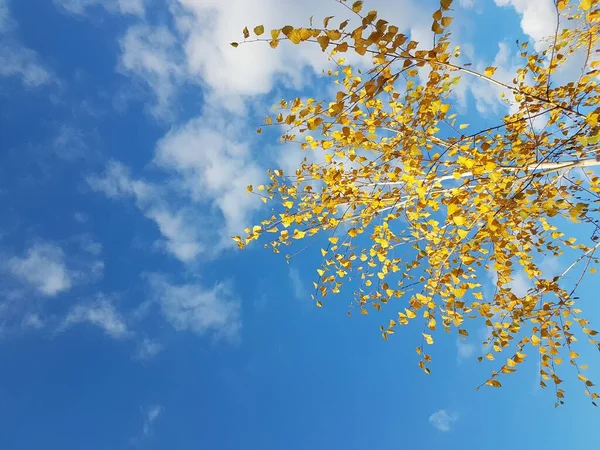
(357, 6)
(489, 71)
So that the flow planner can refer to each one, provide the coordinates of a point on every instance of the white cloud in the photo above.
(33, 321)
(465, 350)
(197, 50)
(179, 227)
(212, 158)
(79, 7)
(520, 284)
(153, 55)
(101, 313)
(5, 20)
(487, 95)
(15, 58)
(180, 230)
(81, 217)
(467, 4)
(298, 287)
(43, 268)
(70, 144)
(538, 17)
(210, 25)
(443, 420)
(151, 414)
(196, 308)
(117, 182)
(148, 349)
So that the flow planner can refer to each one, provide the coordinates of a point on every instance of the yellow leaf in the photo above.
(459, 292)
(493, 383)
(573, 355)
(459, 221)
(446, 21)
(258, 30)
(535, 340)
(234, 44)
(410, 314)
(357, 6)
(431, 324)
(489, 71)
(463, 126)
(319, 304)
(295, 36)
(364, 311)
(333, 240)
(585, 4)
(249, 188)
(428, 338)
(246, 33)
(452, 208)
(462, 233)
(288, 204)
(510, 362)
(299, 234)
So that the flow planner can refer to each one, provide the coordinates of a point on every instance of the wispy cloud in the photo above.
(151, 414)
(153, 56)
(218, 174)
(298, 287)
(43, 268)
(465, 350)
(443, 420)
(33, 321)
(209, 185)
(148, 349)
(178, 227)
(101, 313)
(538, 17)
(196, 308)
(80, 7)
(16, 59)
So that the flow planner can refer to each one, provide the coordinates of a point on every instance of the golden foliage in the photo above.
(419, 212)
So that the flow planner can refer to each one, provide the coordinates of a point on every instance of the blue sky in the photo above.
(129, 319)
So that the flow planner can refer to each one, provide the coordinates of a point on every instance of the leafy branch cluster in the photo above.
(419, 210)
